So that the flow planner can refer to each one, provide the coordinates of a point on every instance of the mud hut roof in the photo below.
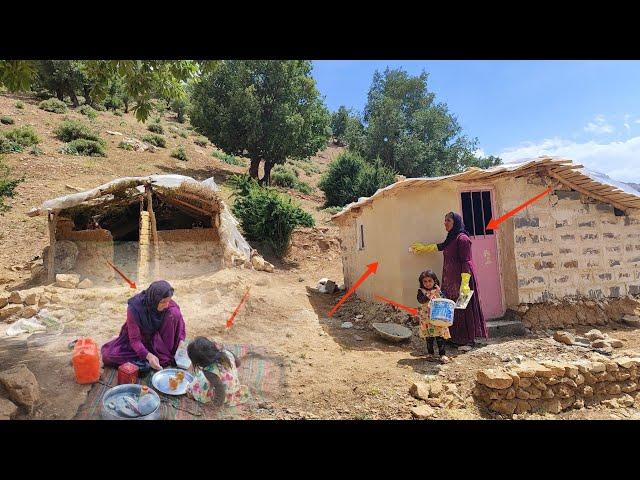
(591, 183)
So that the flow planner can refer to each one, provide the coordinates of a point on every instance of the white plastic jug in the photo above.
(442, 311)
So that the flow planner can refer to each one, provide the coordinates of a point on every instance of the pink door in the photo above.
(477, 210)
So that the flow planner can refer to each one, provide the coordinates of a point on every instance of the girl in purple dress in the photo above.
(458, 275)
(152, 332)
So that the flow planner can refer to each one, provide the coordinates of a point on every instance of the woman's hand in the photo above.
(153, 361)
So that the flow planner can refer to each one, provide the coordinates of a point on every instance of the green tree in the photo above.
(8, 184)
(266, 110)
(339, 121)
(409, 131)
(60, 78)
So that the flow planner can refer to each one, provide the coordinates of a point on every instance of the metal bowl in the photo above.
(127, 389)
(392, 331)
(160, 381)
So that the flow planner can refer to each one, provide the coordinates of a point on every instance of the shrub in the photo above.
(73, 130)
(179, 106)
(25, 136)
(7, 120)
(125, 146)
(350, 177)
(283, 177)
(7, 184)
(53, 105)
(156, 128)
(117, 113)
(305, 188)
(113, 102)
(99, 107)
(9, 146)
(230, 159)
(161, 106)
(201, 141)
(179, 153)
(88, 111)
(333, 210)
(19, 105)
(267, 216)
(156, 140)
(36, 151)
(84, 147)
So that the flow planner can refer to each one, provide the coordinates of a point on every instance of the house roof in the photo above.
(591, 183)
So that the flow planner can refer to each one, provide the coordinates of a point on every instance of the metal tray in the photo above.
(392, 331)
(160, 381)
(126, 389)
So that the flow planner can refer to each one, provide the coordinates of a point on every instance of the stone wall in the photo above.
(189, 252)
(95, 247)
(551, 387)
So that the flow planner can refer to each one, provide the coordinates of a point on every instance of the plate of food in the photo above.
(172, 381)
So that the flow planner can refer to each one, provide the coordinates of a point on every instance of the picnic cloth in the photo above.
(263, 373)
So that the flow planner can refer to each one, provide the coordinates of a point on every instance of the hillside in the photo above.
(52, 173)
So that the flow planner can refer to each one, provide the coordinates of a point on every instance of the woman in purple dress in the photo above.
(152, 332)
(458, 275)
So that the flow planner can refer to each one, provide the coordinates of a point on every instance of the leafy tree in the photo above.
(265, 110)
(7, 184)
(61, 78)
(339, 121)
(409, 131)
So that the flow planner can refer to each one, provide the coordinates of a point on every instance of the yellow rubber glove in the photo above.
(464, 285)
(423, 247)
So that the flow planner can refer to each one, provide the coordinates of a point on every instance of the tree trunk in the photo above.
(266, 178)
(60, 94)
(87, 94)
(253, 168)
(126, 106)
(74, 98)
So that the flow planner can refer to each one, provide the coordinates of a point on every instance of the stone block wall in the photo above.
(551, 386)
(189, 252)
(95, 247)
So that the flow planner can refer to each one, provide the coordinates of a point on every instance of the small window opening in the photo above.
(618, 213)
(361, 246)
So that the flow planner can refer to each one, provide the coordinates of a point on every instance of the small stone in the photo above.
(504, 407)
(16, 297)
(21, 385)
(552, 406)
(563, 337)
(346, 325)
(629, 386)
(9, 311)
(4, 300)
(465, 348)
(31, 299)
(86, 283)
(494, 378)
(594, 334)
(419, 390)
(8, 409)
(631, 320)
(522, 406)
(67, 280)
(56, 299)
(578, 404)
(600, 344)
(611, 403)
(626, 400)
(597, 367)
(301, 279)
(614, 389)
(423, 411)
(615, 343)
(624, 362)
(358, 338)
(435, 389)
(28, 312)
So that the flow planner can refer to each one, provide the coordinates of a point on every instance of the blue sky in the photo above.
(587, 111)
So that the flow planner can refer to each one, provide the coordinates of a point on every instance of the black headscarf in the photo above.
(144, 306)
(458, 228)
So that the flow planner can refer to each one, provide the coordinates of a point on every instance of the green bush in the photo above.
(180, 131)
(161, 106)
(283, 177)
(350, 177)
(230, 159)
(25, 136)
(7, 120)
(201, 141)
(99, 107)
(156, 128)
(88, 111)
(179, 153)
(305, 188)
(117, 113)
(125, 146)
(156, 140)
(9, 146)
(179, 106)
(36, 151)
(333, 210)
(73, 130)
(7, 184)
(19, 105)
(84, 147)
(113, 102)
(53, 105)
(267, 216)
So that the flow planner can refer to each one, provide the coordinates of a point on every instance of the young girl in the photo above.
(430, 289)
(216, 374)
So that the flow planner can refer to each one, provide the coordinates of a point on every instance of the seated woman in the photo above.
(152, 332)
(216, 374)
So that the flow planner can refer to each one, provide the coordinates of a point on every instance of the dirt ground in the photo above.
(332, 372)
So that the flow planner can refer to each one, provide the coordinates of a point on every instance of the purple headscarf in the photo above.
(458, 227)
(144, 306)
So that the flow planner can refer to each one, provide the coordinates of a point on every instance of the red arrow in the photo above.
(371, 268)
(235, 312)
(412, 311)
(131, 284)
(493, 224)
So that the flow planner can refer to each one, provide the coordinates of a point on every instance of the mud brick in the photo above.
(614, 263)
(545, 239)
(541, 265)
(633, 235)
(624, 276)
(571, 264)
(604, 276)
(563, 223)
(603, 207)
(614, 292)
(611, 236)
(630, 221)
(595, 293)
(534, 238)
(521, 222)
(589, 236)
(527, 254)
(567, 195)
(546, 254)
(634, 289)
(568, 237)
(634, 260)
(563, 279)
(521, 239)
(593, 263)
(628, 248)
(613, 249)
(565, 251)
(590, 251)
(590, 224)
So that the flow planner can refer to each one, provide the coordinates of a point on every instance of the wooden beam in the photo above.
(52, 219)
(185, 205)
(587, 192)
(154, 232)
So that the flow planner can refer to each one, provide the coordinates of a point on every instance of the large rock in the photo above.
(624, 362)
(16, 297)
(594, 334)
(4, 300)
(563, 337)
(615, 343)
(420, 390)
(70, 280)
(8, 409)
(552, 406)
(494, 378)
(9, 311)
(28, 312)
(66, 256)
(86, 283)
(631, 320)
(504, 407)
(31, 299)
(422, 412)
(21, 385)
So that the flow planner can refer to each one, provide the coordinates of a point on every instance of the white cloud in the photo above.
(620, 160)
(599, 126)
(480, 153)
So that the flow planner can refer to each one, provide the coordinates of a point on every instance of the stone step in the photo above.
(505, 328)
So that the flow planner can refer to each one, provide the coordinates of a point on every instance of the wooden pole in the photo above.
(52, 220)
(154, 232)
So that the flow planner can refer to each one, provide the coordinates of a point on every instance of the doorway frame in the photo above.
(492, 190)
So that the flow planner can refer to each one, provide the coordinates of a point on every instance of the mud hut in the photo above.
(580, 241)
(161, 226)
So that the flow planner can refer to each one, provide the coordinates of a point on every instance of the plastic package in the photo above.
(182, 358)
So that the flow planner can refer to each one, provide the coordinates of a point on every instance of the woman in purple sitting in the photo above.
(152, 332)
(458, 276)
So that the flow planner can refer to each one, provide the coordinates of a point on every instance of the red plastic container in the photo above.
(127, 373)
(86, 361)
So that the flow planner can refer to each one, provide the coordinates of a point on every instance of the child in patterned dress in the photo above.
(216, 374)
(430, 289)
